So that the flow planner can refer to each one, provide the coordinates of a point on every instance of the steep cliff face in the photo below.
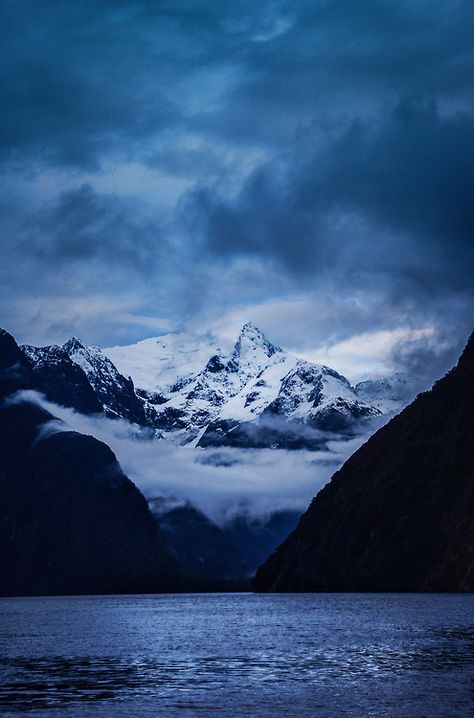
(70, 520)
(399, 515)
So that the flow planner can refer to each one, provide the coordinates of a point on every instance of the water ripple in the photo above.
(322, 654)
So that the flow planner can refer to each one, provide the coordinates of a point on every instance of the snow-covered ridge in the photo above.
(73, 370)
(192, 388)
(388, 394)
(162, 361)
(202, 382)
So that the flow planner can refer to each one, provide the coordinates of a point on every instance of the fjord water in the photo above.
(238, 655)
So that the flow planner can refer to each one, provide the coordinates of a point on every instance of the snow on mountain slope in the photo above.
(252, 352)
(260, 391)
(312, 393)
(307, 402)
(254, 379)
(100, 371)
(159, 362)
(197, 399)
(195, 388)
(390, 394)
(114, 391)
(294, 388)
(308, 386)
(60, 379)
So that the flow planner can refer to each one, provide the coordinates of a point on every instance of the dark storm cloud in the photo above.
(79, 79)
(430, 359)
(394, 197)
(83, 225)
(87, 78)
(202, 154)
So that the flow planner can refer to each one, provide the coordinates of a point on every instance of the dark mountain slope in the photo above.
(209, 555)
(257, 537)
(70, 520)
(85, 380)
(56, 376)
(115, 392)
(399, 515)
(204, 551)
(15, 372)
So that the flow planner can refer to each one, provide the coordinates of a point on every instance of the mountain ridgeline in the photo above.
(188, 390)
(399, 515)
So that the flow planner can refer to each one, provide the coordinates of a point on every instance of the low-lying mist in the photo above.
(221, 482)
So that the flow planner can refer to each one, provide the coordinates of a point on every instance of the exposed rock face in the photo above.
(61, 380)
(399, 515)
(84, 379)
(115, 392)
(70, 520)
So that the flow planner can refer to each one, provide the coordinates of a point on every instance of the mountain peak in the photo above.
(251, 337)
(73, 345)
(251, 329)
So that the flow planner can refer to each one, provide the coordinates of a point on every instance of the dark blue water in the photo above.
(238, 655)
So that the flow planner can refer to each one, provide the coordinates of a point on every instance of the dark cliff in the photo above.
(399, 515)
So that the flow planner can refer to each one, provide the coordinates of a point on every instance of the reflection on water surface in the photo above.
(241, 654)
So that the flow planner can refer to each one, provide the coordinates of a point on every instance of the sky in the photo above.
(306, 165)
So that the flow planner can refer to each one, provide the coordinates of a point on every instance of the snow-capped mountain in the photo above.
(197, 389)
(290, 405)
(84, 379)
(60, 379)
(197, 399)
(254, 383)
(159, 362)
(115, 392)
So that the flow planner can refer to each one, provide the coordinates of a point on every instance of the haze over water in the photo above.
(238, 655)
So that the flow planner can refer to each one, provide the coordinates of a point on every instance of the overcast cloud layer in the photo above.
(306, 165)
